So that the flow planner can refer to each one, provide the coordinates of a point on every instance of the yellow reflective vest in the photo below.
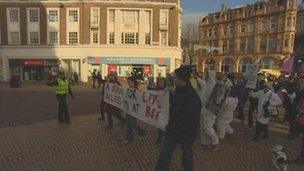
(62, 87)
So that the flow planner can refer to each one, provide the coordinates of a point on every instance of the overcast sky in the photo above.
(196, 9)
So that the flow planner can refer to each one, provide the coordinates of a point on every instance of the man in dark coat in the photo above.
(184, 117)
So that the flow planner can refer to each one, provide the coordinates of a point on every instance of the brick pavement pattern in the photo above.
(86, 145)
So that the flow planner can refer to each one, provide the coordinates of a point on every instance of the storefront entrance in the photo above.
(33, 69)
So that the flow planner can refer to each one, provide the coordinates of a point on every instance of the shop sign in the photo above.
(129, 60)
(33, 62)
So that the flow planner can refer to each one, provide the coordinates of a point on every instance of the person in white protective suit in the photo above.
(225, 116)
(205, 88)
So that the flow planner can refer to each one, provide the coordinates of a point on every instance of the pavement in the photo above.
(86, 145)
(37, 102)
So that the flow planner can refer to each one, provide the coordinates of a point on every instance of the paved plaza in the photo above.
(32, 139)
(86, 145)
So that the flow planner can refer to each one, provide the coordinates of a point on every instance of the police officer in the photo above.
(62, 89)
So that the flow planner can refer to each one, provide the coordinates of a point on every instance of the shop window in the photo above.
(14, 15)
(148, 39)
(33, 15)
(15, 37)
(53, 37)
(73, 37)
(209, 64)
(267, 63)
(73, 15)
(53, 15)
(227, 65)
(95, 36)
(111, 38)
(34, 37)
(244, 63)
(164, 38)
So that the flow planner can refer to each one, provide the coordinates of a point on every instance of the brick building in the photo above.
(38, 37)
(261, 33)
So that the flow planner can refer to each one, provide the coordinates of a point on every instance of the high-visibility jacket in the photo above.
(62, 87)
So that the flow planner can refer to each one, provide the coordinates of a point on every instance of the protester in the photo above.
(160, 85)
(267, 101)
(183, 124)
(62, 90)
(111, 110)
(131, 122)
(217, 98)
(240, 90)
(225, 116)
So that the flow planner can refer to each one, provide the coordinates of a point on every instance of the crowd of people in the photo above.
(206, 104)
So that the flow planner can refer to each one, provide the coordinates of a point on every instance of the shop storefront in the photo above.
(124, 66)
(33, 69)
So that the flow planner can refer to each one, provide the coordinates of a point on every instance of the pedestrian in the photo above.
(184, 116)
(240, 89)
(94, 77)
(131, 122)
(225, 115)
(75, 75)
(111, 110)
(102, 102)
(62, 89)
(267, 103)
(290, 113)
(99, 79)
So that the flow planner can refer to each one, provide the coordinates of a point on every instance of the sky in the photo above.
(196, 9)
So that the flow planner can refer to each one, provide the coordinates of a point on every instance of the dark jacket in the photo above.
(185, 109)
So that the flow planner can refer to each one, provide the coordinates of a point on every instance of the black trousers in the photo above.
(63, 114)
(164, 160)
(252, 107)
(259, 129)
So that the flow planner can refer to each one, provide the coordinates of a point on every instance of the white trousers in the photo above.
(223, 127)
(208, 135)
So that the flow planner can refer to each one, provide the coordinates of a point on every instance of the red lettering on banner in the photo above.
(152, 113)
(150, 99)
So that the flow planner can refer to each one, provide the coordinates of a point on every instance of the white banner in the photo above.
(151, 107)
(251, 76)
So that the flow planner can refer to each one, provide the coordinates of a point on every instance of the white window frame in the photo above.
(70, 38)
(49, 35)
(160, 38)
(92, 36)
(167, 18)
(92, 14)
(29, 38)
(10, 38)
(110, 38)
(9, 14)
(48, 15)
(111, 18)
(29, 16)
(69, 17)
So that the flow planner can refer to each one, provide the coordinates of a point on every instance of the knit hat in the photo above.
(183, 73)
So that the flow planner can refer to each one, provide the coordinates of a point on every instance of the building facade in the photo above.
(262, 33)
(39, 37)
